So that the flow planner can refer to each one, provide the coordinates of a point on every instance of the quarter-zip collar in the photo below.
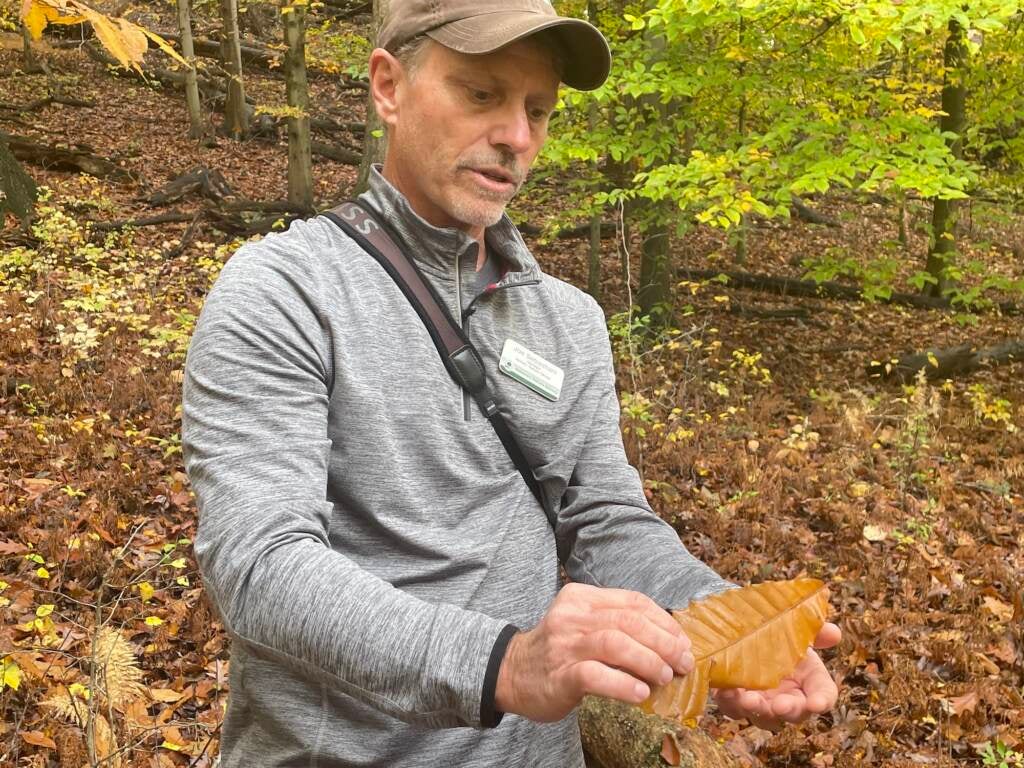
(434, 249)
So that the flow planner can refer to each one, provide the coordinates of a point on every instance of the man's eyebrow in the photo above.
(471, 77)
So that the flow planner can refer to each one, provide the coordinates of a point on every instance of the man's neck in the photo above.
(392, 174)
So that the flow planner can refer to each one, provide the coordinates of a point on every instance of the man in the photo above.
(390, 584)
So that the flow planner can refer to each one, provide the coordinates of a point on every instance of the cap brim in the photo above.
(587, 56)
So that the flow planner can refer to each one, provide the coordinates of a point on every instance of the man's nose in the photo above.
(513, 130)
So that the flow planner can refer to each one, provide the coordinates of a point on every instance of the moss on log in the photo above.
(617, 735)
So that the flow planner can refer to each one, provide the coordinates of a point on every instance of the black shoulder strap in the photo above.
(459, 356)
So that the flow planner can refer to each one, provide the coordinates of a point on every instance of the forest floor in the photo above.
(763, 441)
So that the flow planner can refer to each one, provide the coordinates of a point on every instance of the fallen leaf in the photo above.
(875, 533)
(966, 703)
(670, 750)
(38, 739)
(859, 489)
(743, 638)
(1002, 611)
(165, 695)
(9, 547)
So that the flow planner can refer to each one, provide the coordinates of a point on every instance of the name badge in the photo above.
(531, 370)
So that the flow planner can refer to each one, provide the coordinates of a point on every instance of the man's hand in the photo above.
(609, 642)
(809, 690)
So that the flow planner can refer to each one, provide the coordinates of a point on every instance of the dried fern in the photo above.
(72, 709)
(117, 668)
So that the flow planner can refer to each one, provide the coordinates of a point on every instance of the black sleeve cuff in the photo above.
(489, 718)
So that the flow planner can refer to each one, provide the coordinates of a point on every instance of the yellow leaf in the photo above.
(44, 610)
(859, 489)
(154, 621)
(36, 17)
(933, 360)
(146, 591)
(122, 39)
(164, 46)
(42, 573)
(11, 674)
(172, 746)
(743, 638)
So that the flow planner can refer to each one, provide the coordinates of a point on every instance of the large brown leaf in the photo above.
(744, 638)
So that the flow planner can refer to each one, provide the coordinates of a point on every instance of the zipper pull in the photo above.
(490, 289)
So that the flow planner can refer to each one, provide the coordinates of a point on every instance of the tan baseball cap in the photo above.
(475, 26)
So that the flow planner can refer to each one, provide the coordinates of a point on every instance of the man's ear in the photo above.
(386, 74)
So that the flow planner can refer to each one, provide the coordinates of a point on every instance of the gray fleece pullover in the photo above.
(366, 538)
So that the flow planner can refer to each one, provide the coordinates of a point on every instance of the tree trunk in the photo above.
(374, 141)
(594, 254)
(28, 59)
(656, 265)
(655, 294)
(942, 254)
(741, 127)
(17, 190)
(236, 120)
(300, 170)
(197, 128)
(616, 735)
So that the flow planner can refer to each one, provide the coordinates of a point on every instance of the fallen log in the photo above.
(38, 104)
(273, 206)
(805, 213)
(225, 216)
(784, 313)
(338, 154)
(617, 735)
(579, 230)
(788, 286)
(327, 125)
(64, 159)
(949, 362)
(264, 58)
(165, 77)
(208, 184)
(173, 217)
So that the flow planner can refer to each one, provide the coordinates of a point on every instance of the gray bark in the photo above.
(28, 59)
(952, 361)
(197, 129)
(300, 169)
(17, 190)
(236, 120)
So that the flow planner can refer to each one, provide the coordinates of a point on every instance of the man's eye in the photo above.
(480, 97)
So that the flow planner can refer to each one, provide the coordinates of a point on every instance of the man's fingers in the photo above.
(599, 679)
(618, 649)
(609, 597)
(674, 649)
(829, 636)
(818, 686)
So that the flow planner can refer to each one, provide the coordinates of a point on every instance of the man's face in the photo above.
(465, 130)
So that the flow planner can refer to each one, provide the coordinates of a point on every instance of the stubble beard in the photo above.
(474, 205)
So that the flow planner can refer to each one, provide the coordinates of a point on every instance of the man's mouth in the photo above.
(495, 178)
